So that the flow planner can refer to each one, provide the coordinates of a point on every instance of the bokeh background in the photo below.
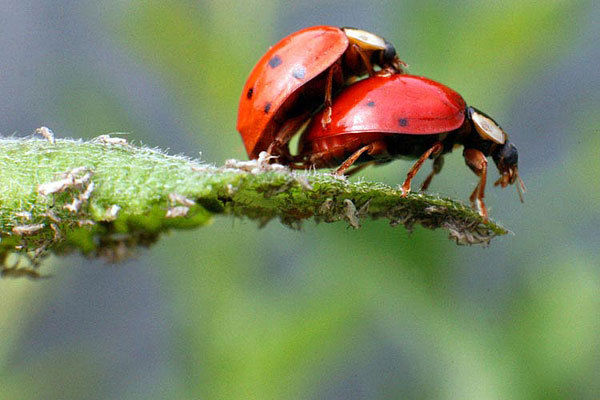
(231, 311)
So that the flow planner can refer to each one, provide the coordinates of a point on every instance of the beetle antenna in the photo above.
(521, 189)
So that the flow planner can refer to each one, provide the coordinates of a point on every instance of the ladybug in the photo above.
(403, 116)
(298, 75)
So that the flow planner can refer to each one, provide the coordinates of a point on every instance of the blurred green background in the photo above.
(231, 311)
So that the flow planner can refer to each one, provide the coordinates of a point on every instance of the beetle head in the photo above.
(383, 51)
(390, 61)
(503, 152)
(506, 158)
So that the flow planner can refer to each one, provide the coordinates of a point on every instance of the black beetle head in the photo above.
(506, 158)
(389, 53)
(390, 57)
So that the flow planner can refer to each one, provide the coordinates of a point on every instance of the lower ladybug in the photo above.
(403, 116)
(298, 75)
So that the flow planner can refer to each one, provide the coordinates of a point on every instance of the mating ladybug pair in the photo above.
(385, 116)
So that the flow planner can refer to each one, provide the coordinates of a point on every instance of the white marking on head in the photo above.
(488, 128)
(366, 40)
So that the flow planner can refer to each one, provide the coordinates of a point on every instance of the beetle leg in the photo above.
(476, 160)
(365, 59)
(438, 163)
(279, 145)
(335, 68)
(435, 149)
(351, 160)
(373, 148)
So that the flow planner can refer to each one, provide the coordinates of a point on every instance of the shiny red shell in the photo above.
(393, 104)
(285, 68)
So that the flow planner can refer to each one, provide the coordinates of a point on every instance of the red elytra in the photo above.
(298, 75)
(398, 104)
(402, 116)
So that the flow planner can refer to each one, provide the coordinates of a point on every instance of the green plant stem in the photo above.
(103, 197)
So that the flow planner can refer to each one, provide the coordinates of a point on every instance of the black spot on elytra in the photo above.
(371, 104)
(275, 62)
(267, 108)
(403, 122)
(299, 72)
(249, 94)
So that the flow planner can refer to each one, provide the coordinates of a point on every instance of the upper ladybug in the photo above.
(298, 75)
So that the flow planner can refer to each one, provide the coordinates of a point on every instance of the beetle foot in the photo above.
(479, 205)
(405, 190)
